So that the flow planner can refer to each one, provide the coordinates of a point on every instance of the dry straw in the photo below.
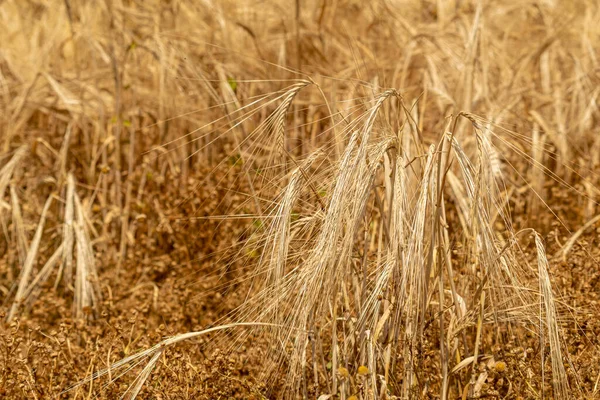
(378, 310)
(384, 259)
(85, 283)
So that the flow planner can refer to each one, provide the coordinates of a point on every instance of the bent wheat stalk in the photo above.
(28, 266)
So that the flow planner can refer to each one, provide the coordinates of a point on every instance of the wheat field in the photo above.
(308, 199)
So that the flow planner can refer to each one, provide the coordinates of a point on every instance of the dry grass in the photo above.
(352, 198)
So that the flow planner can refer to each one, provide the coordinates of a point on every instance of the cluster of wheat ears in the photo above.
(362, 194)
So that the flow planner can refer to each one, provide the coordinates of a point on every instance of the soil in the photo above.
(173, 281)
(165, 286)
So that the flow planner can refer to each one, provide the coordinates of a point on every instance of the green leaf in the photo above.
(257, 224)
(235, 160)
(232, 83)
